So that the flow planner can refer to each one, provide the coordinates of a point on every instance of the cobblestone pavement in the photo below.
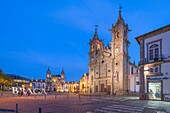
(81, 104)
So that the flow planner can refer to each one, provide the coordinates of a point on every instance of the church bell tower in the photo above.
(48, 80)
(96, 46)
(120, 56)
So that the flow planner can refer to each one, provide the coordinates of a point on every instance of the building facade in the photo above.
(19, 81)
(133, 78)
(72, 87)
(55, 82)
(85, 83)
(109, 65)
(155, 64)
(38, 84)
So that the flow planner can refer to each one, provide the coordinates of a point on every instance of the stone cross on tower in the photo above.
(96, 26)
(120, 10)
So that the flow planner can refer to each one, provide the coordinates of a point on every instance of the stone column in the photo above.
(142, 94)
(94, 89)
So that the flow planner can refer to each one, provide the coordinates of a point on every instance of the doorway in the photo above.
(108, 89)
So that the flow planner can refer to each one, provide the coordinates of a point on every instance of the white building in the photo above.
(133, 78)
(155, 64)
(38, 84)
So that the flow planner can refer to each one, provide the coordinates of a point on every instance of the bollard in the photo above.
(1, 94)
(79, 96)
(45, 96)
(39, 110)
(55, 96)
(90, 96)
(16, 108)
(35, 97)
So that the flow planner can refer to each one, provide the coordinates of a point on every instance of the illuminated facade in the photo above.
(109, 68)
(85, 83)
(55, 82)
(19, 81)
(71, 87)
(154, 64)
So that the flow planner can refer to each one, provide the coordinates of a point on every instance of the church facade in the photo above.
(55, 82)
(109, 65)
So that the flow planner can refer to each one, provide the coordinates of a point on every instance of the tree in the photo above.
(4, 79)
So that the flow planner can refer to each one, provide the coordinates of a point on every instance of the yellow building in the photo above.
(72, 87)
(85, 83)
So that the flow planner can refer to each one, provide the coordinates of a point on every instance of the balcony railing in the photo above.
(162, 57)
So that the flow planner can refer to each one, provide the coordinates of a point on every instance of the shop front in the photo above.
(155, 90)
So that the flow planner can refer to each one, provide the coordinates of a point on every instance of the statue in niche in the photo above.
(117, 76)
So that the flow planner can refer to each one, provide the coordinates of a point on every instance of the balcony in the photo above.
(161, 58)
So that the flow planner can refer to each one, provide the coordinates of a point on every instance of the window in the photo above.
(82, 86)
(156, 69)
(102, 61)
(38, 85)
(102, 87)
(137, 82)
(96, 88)
(92, 47)
(131, 70)
(92, 80)
(151, 70)
(151, 54)
(154, 52)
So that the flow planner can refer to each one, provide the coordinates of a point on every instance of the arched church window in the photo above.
(92, 47)
(117, 34)
(153, 51)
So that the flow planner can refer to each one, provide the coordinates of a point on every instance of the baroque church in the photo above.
(109, 65)
(55, 82)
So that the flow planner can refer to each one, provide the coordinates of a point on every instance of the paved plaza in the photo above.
(73, 103)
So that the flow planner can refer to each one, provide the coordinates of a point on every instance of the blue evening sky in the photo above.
(35, 34)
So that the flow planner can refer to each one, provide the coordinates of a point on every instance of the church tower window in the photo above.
(92, 47)
(98, 46)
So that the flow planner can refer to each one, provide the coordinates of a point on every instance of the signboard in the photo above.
(28, 91)
(165, 78)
